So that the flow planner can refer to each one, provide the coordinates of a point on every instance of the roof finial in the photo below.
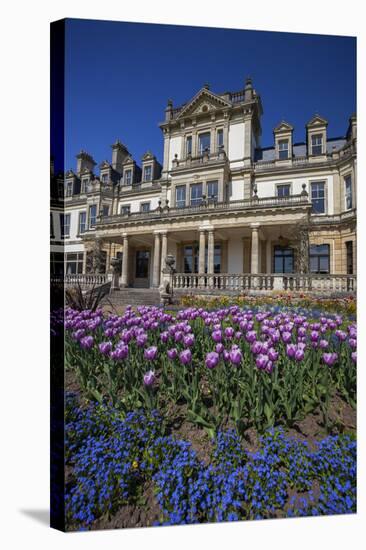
(206, 86)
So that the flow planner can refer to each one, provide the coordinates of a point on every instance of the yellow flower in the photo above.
(135, 464)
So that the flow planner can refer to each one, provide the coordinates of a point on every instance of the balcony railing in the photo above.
(210, 206)
(272, 281)
(85, 280)
(203, 158)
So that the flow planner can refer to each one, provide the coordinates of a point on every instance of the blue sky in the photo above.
(118, 77)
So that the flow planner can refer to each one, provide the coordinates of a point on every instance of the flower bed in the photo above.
(251, 369)
(267, 371)
(113, 458)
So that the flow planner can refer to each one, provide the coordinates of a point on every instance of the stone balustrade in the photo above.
(258, 282)
(83, 279)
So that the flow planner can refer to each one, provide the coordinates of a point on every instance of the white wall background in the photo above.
(236, 141)
(174, 148)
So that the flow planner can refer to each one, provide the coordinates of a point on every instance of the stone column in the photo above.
(124, 275)
(164, 250)
(210, 252)
(268, 256)
(201, 252)
(156, 266)
(255, 250)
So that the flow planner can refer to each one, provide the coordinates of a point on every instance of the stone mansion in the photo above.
(224, 206)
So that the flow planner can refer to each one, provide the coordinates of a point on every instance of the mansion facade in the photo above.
(219, 203)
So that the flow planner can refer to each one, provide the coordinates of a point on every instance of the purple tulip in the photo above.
(323, 344)
(229, 332)
(164, 337)
(291, 350)
(235, 356)
(178, 336)
(185, 356)
(212, 359)
(172, 354)
(261, 361)
(299, 354)
(105, 348)
(353, 343)
(151, 353)
(330, 358)
(121, 352)
(149, 378)
(87, 342)
(219, 348)
(341, 335)
(226, 355)
(354, 356)
(141, 339)
(314, 336)
(256, 347)
(217, 336)
(238, 334)
(251, 336)
(286, 337)
(269, 367)
(272, 354)
(188, 340)
(78, 334)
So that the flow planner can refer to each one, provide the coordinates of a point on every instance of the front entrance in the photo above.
(142, 269)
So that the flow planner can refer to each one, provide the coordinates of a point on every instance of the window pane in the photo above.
(180, 194)
(212, 190)
(220, 138)
(142, 264)
(196, 193)
(92, 215)
(189, 145)
(204, 142)
(147, 173)
(283, 190)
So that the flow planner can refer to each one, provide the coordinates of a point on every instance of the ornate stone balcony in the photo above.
(202, 160)
(301, 200)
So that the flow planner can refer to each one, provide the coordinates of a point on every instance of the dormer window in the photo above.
(105, 178)
(317, 144)
(204, 141)
(128, 177)
(85, 182)
(283, 147)
(148, 173)
(189, 145)
(69, 188)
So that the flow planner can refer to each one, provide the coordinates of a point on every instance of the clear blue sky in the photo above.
(120, 75)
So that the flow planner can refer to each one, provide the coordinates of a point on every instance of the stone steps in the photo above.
(134, 297)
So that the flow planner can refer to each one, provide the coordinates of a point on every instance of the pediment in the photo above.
(283, 126)
(317, 120)
(105, 164)
(203, 102)
(148, 156)
(128, 160)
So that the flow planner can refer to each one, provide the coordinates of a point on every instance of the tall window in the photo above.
(52, 234)
(92, 215)
(283, 190)
(74, 262)
(317, 144)
(220, 139)
(319, 258)
(82, 222)
(145, 207)
(189, 145)
(128, 177)
(69, 188)
(348, 191)
(125, 209)
(105, 210)
(180, 196)
(65, 225)
(349, 250)
(147, 173)
(204, 141)
(105, 178)
(283, 259)
(318, 196)
(57, 263)
(283, 149)
(196, 194)
(212, 191)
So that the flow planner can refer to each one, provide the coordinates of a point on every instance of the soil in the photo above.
(342, 419)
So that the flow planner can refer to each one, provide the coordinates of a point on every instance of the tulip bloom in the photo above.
(212, 360)
(185, 356)
(235, 356)
(330, 358)
(151, 353)
(87, 342)
(149, 378)
(172, 354)
(105, 348)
